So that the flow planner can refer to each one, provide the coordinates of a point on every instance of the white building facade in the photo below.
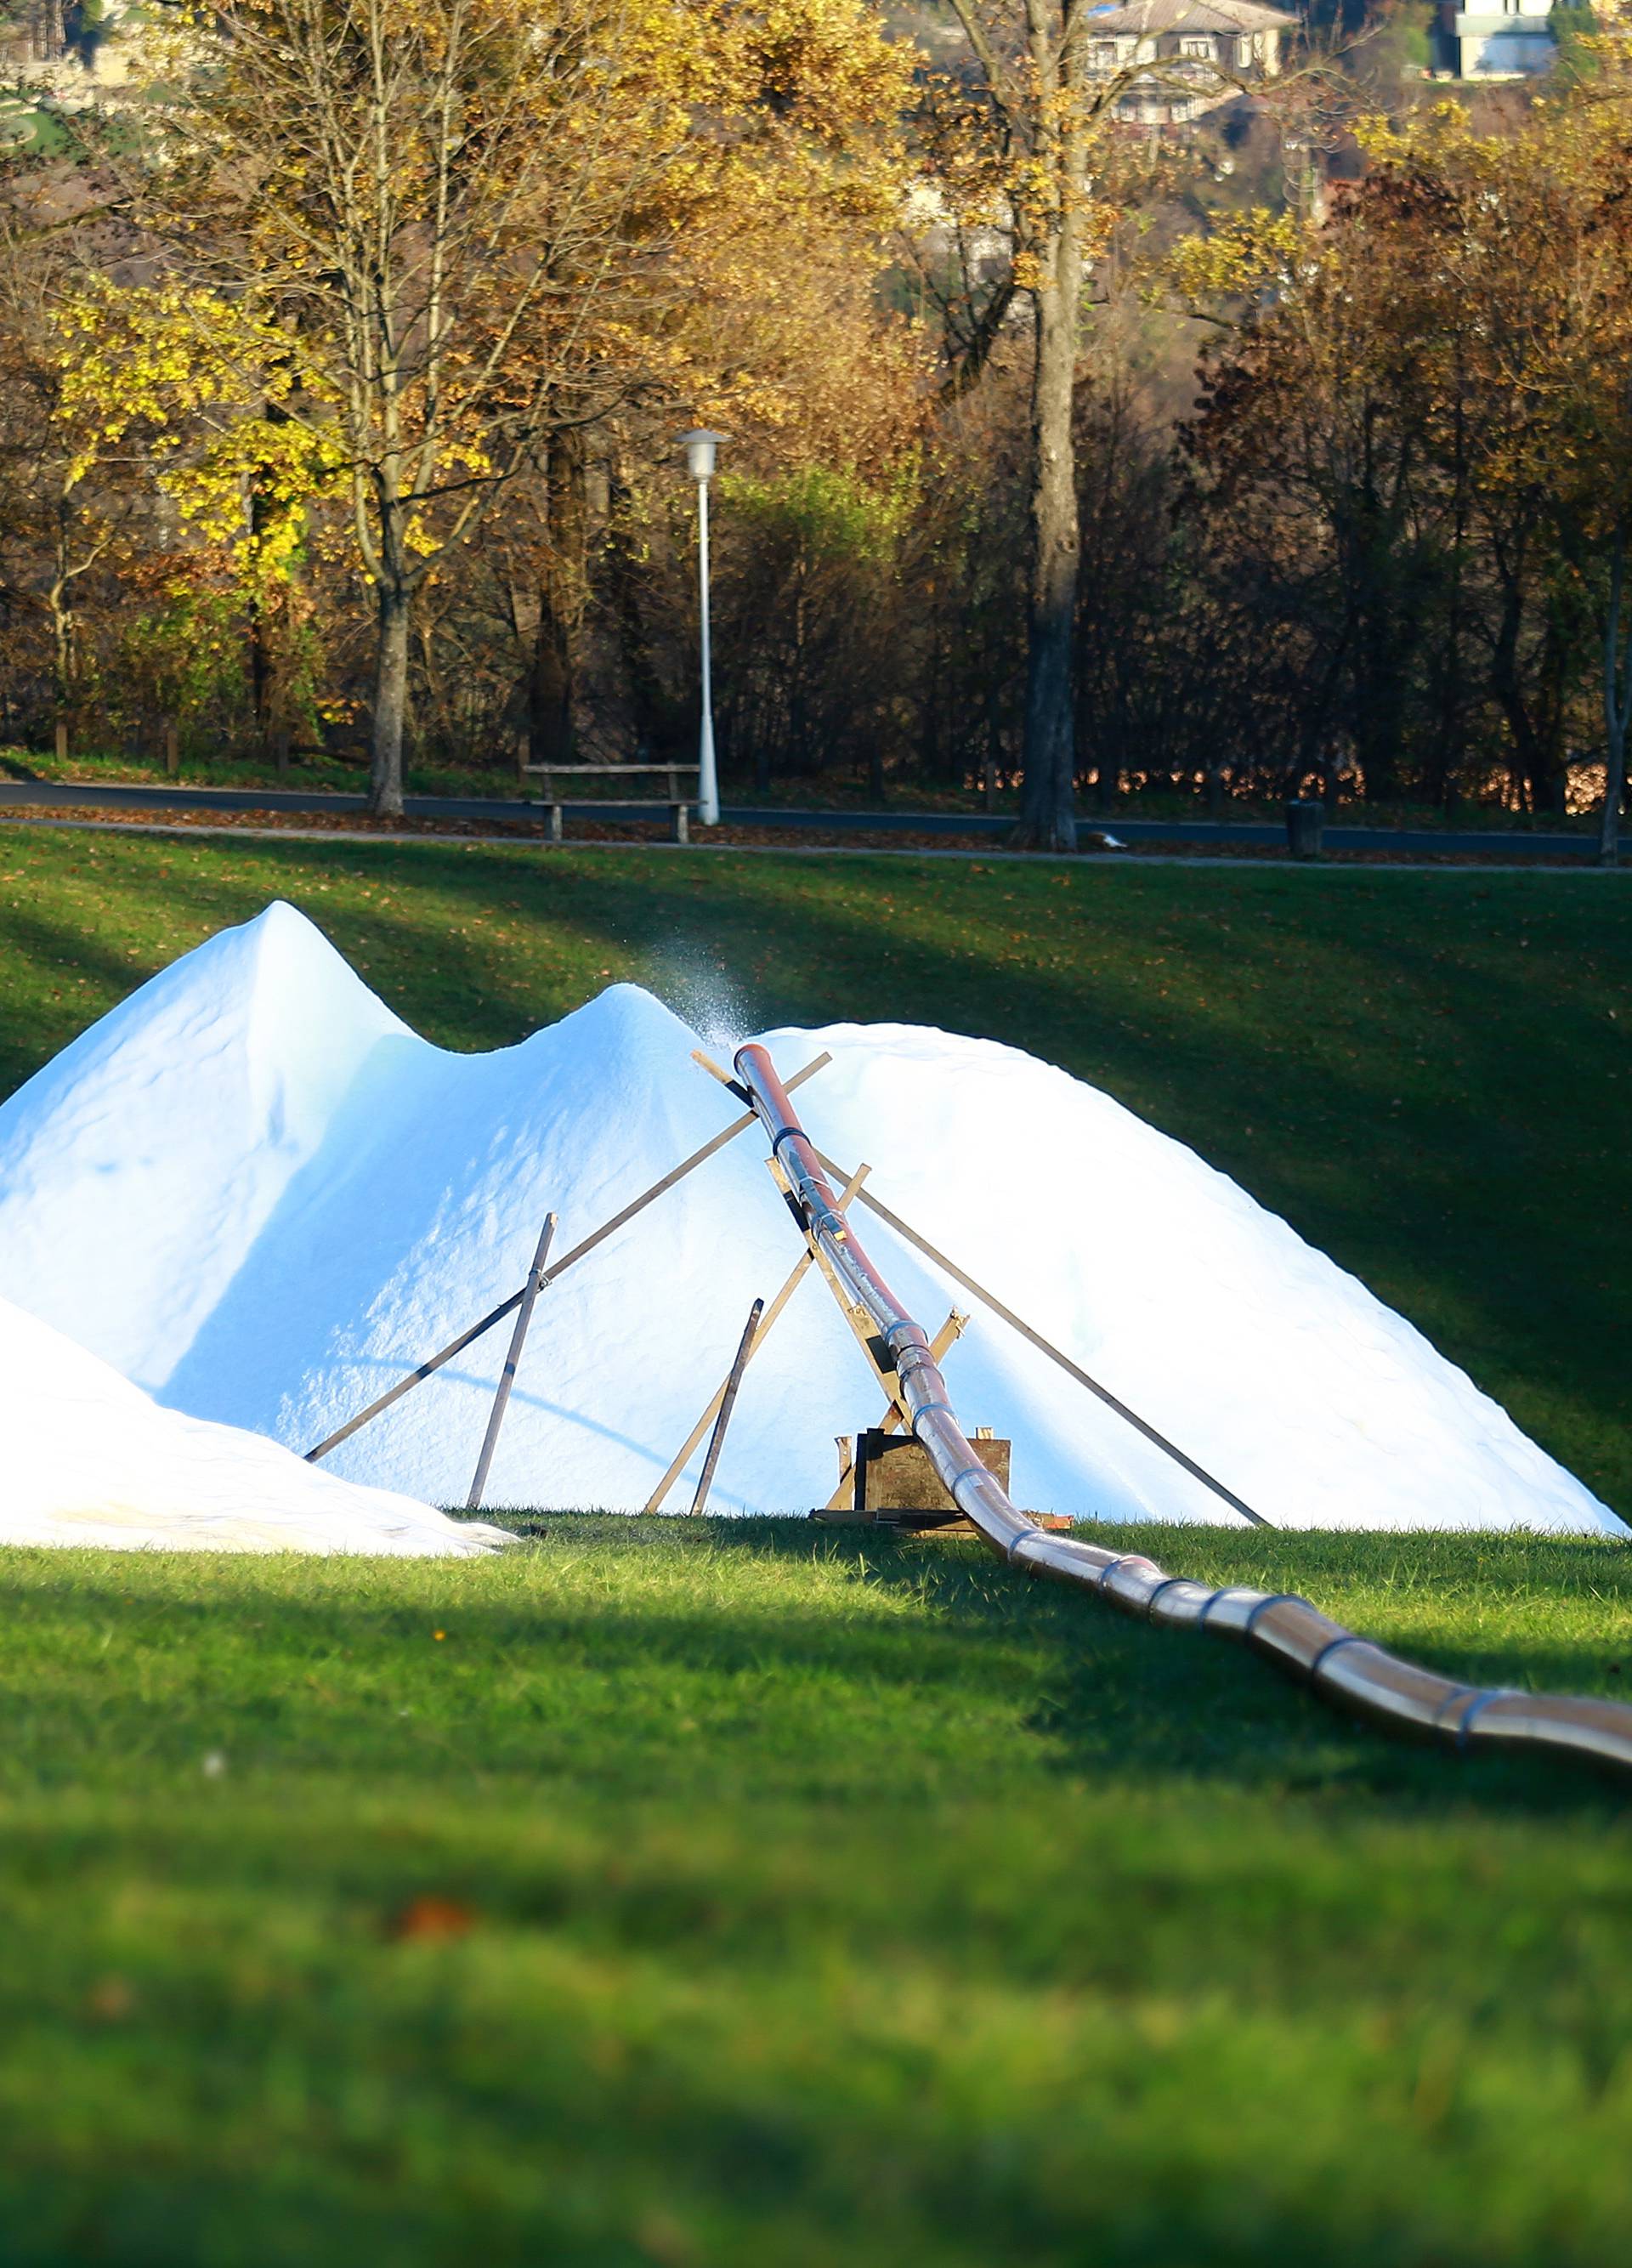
(1511, 39)
(1194, 53)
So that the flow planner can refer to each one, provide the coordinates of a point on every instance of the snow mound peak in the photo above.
(251, 1188)
(163, 1138)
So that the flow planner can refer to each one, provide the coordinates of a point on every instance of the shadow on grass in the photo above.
(1125, 1697)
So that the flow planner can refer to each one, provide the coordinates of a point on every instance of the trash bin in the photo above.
(1303, 822)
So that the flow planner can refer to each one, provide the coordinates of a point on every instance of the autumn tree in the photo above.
(433, 200)
(69, 489)
(468, 221)
(1439, 380)
(1022, 140)
(772, 329)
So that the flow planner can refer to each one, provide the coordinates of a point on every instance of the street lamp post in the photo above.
(702, 447)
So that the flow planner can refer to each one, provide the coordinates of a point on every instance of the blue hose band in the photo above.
(1335, 1646)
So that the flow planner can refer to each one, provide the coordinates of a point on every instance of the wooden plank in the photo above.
(427, 1369)
(728, 1403)
(579, 1251)
(609, 771)
(926, 1531)
(801, 1267)
(507, 1376)
(1035, 1339)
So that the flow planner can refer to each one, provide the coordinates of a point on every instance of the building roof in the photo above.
(1147, 17)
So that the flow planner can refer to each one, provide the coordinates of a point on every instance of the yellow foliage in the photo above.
(206, 385)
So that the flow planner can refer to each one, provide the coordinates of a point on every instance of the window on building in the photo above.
(1202, 47)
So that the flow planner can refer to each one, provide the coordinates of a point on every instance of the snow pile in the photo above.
(90, 1459)
(255, 1191)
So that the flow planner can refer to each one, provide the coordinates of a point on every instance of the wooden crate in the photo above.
(894, 1478)
(895, 1485)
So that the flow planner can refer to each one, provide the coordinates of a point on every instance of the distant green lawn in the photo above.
(753, 1896)
(732, 1894)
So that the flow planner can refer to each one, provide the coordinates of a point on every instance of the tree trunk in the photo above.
(554, 676)
(1617, 705)
(1529, 759)
(62, 647)
(263, 671)
(661, 728)
(391, 660)
(1614, 790)
(550, 689)
(1047, 817)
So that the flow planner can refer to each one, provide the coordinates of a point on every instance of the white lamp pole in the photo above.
(702, 447)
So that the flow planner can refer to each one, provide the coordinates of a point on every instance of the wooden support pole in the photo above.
(654, 1502)
(62, 741)
(427, 1369)
(728, 1403)
(989, 1299)
(856, 1317)
(1035, 1339)
(173, 750)
(801, 1269)
(949, 1332)
(579, 1251)
(507, 1376)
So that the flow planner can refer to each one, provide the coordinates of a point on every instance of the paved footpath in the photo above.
(178, 830)
(1219, 834)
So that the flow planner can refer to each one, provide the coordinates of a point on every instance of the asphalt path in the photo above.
(1511, 843)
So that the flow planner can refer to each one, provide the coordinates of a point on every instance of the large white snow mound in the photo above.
(90, 1459)
(253, 1189)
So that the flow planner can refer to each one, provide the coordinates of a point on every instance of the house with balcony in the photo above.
(1198, 51)
(1500, 39)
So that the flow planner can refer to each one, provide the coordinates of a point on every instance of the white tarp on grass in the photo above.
(256, 1192)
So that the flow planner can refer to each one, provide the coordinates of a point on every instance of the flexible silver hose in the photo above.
(1348, 1668)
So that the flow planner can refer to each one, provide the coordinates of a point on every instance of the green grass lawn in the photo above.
(718, 1893)
(310, 775)
(732, 1892)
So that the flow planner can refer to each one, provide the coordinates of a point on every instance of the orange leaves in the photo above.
(430, 1917)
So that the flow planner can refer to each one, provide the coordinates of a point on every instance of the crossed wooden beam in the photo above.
(537, 1275)
(761, 1320)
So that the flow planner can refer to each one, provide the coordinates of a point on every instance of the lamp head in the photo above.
(702, 447)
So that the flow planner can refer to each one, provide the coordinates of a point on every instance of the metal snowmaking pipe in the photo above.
(1344, 1666)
